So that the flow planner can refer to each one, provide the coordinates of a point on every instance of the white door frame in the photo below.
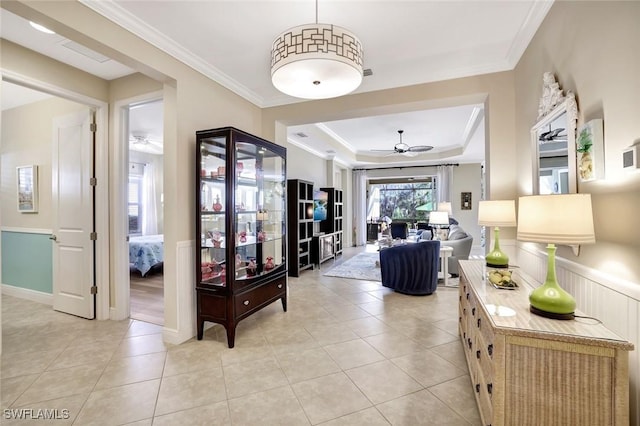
(119, 183)
(101, 172)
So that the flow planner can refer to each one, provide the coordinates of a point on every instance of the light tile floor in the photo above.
(347, 352)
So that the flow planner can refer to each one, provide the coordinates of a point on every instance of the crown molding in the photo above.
(120, 16)
(536, 15)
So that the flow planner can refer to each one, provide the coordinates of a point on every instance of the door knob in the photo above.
(53, 237)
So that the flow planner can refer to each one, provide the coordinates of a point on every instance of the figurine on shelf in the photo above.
(216, 238)
(243, 236)
(238, 261)
(261, 236)
(217, 206)
(269, 265)
(251, 267)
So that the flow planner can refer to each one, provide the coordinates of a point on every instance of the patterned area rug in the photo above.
(360, 267)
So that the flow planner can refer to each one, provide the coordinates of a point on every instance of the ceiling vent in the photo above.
(367, 72)
(85, 51)
(301, 135)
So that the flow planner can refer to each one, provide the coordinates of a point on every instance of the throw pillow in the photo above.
(456, 233)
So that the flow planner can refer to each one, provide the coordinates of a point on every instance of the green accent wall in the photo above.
(27, 261)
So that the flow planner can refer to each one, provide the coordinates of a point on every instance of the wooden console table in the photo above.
(530, 370)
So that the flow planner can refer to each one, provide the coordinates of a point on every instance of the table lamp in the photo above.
(438, 219)
(565, 219)
(497, 213)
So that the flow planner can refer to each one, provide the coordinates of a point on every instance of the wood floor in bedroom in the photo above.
(147, 296)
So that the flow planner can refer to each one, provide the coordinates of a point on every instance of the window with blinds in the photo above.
(134, 206)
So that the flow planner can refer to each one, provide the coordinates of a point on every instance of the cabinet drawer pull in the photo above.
(490, 350)
(489, 388)
(478, 387)
(279, 285)
(469, 342)
(459, 298)
(245, 303)
(459, 319)
(478, 322)
(478, 354)
(464, 311)
(467, 296)
(473, 311)
(464, 334)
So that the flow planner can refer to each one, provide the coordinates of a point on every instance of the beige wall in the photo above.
(466, 178)
(26, 139)
(496, 91)
(191, 101)
(302, 164)
(593, 48)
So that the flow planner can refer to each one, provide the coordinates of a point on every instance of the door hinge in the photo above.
(93, 236)
(94, 289)
(93, 181)
(93, 127)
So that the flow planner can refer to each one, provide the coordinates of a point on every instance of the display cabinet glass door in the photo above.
(212, 210)
(260, 207)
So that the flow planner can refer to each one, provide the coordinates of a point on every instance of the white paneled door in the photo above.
(73, 214)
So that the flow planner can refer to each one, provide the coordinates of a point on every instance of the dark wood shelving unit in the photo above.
(300, 225)
(334, 222)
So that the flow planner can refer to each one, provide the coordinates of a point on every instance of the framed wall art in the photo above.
(27, 186)
(465, 201)
(590, 151)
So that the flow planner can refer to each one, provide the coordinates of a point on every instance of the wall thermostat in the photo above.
(630, 157)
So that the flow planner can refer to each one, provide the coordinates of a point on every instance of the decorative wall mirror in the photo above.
(553, 141)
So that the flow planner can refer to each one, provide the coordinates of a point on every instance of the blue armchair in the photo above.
(411, 268)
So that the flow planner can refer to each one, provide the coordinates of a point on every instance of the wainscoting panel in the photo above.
(185, 295)
(614, 302)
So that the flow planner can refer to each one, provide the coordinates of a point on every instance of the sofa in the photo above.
(461, 243)
(411, 268)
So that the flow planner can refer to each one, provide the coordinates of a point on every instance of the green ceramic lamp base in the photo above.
(550, 300)
(497, 258)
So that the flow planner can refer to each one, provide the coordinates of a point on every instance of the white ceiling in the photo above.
(405, 43)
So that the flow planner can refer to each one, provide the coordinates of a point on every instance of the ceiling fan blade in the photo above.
(420, 148)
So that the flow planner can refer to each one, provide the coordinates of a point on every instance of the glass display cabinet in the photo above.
(240, 227)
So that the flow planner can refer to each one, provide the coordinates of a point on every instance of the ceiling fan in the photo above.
(145, 143)
(552, 136)
(403, 148)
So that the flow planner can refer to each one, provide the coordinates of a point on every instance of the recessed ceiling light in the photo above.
(41, 28)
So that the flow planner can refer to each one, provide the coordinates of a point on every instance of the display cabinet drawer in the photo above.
(247, 301)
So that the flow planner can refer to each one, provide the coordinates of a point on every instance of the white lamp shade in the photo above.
(445, 206)
(556, 219)
(316, 61)
(438, 218)
(497, 213)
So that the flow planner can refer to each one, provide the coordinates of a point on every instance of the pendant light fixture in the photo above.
(316, 61)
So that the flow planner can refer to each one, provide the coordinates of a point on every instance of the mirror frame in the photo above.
(553, 104)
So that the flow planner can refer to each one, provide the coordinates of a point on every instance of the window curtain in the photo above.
(444, 180)
(360, 207)
(149, 205)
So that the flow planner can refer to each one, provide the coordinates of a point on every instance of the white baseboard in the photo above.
(175, 337)
(25, 293)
